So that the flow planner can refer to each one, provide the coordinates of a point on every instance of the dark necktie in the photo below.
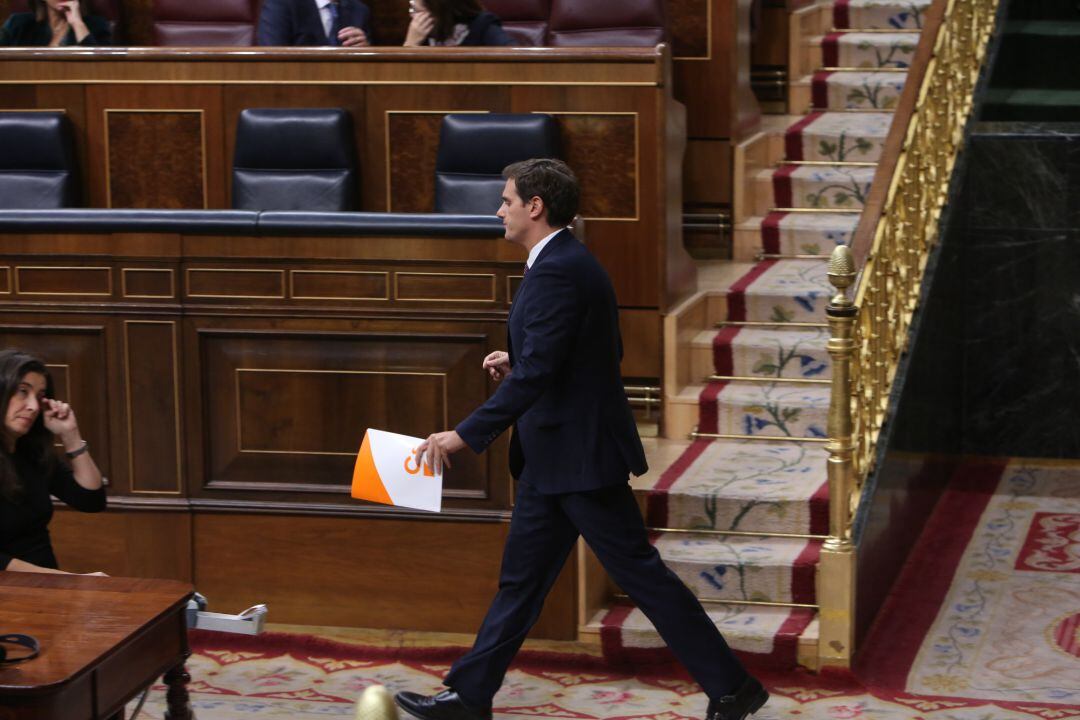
(334, 17)
(525, 271)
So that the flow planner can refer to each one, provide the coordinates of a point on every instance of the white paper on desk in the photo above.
(388, 471)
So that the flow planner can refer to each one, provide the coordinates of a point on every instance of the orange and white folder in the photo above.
(388, 471)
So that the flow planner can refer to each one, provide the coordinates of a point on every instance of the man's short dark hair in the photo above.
(550, 180)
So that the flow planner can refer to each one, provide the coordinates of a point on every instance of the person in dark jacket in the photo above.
(449, 23)
(55, 23)
(30, 471)
(574, 447)
(314, 22)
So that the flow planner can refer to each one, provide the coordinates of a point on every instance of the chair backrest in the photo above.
(578, 23)
(108, 9)
(474, 149)
(295, 159)
(525, 21)
(38, 169)
(190, 23)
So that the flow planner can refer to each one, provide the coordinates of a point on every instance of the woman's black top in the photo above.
(26, 30)
(24, 523)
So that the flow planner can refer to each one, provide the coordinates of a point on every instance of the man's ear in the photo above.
(536, 207)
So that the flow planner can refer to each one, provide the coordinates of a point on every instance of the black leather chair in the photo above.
(38, 169)
(474, 149)
(295, 159)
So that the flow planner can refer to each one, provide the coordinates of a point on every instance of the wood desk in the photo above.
(102, 641)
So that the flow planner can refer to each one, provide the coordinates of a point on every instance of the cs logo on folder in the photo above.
(388, 471)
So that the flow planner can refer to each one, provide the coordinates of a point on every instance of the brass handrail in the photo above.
(885, 266)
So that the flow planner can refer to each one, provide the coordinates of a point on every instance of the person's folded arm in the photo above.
(17, 565)
(550, 323)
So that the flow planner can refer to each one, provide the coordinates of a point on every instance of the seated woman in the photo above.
(54, 23)
(453, 22)
(30, 471)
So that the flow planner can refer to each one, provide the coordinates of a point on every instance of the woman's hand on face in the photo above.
(59, 419)
(72, 13)
(420, 27)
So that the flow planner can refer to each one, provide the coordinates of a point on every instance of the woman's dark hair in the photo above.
(448, 13)
(40, 10)
(36, 444)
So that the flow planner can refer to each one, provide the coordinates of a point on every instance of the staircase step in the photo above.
(806, 233)
(1032, 104)
(764, 409)
(1038, 54)
(756, 487)
(867, 49)
(880, 14)
(838, 137)
(772, 352)
(859, 90)
(762, 635)
(822, 186)
(741, 567)
(781, 291)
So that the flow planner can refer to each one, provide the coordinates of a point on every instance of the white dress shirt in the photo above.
(535, 252)
(327, 18)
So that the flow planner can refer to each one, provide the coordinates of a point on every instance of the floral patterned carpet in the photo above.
(983, 625)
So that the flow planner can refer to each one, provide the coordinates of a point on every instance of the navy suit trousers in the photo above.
(543, 531)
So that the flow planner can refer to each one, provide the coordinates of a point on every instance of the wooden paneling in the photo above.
(148, 283)
(688, 27)
(160, 128)
(61, 280)
(235, 283)
(380, 573)
(155, 159)
(121, 542)
(702, 186)
(602, 149)
(339, 285)
(412, 141)
(152, 382)
(445, 287)
(155, 145)
(641, 329)
(282, 413)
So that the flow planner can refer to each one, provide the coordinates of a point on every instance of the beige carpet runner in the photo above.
(756, 502)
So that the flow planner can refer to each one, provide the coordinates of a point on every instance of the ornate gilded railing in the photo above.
(885, 265)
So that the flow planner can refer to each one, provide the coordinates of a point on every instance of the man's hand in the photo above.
(437, 448)
(352, 36)
(497, 364)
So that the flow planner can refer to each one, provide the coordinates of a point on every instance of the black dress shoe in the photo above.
(444, 706)
(746, 701)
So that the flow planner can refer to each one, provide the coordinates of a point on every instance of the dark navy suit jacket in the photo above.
(574, 430)
(297, 22)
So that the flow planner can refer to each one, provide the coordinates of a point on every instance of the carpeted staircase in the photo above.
(741, 516)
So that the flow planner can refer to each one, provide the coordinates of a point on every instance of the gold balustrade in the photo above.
(885, 266)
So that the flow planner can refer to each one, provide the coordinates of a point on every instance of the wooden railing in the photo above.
(884, 266)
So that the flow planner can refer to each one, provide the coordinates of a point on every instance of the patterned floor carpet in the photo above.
(983, 625)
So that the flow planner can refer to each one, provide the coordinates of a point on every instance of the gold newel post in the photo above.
(836, 570)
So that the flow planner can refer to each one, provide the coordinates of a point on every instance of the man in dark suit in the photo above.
(314, 22)
(573, 449)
